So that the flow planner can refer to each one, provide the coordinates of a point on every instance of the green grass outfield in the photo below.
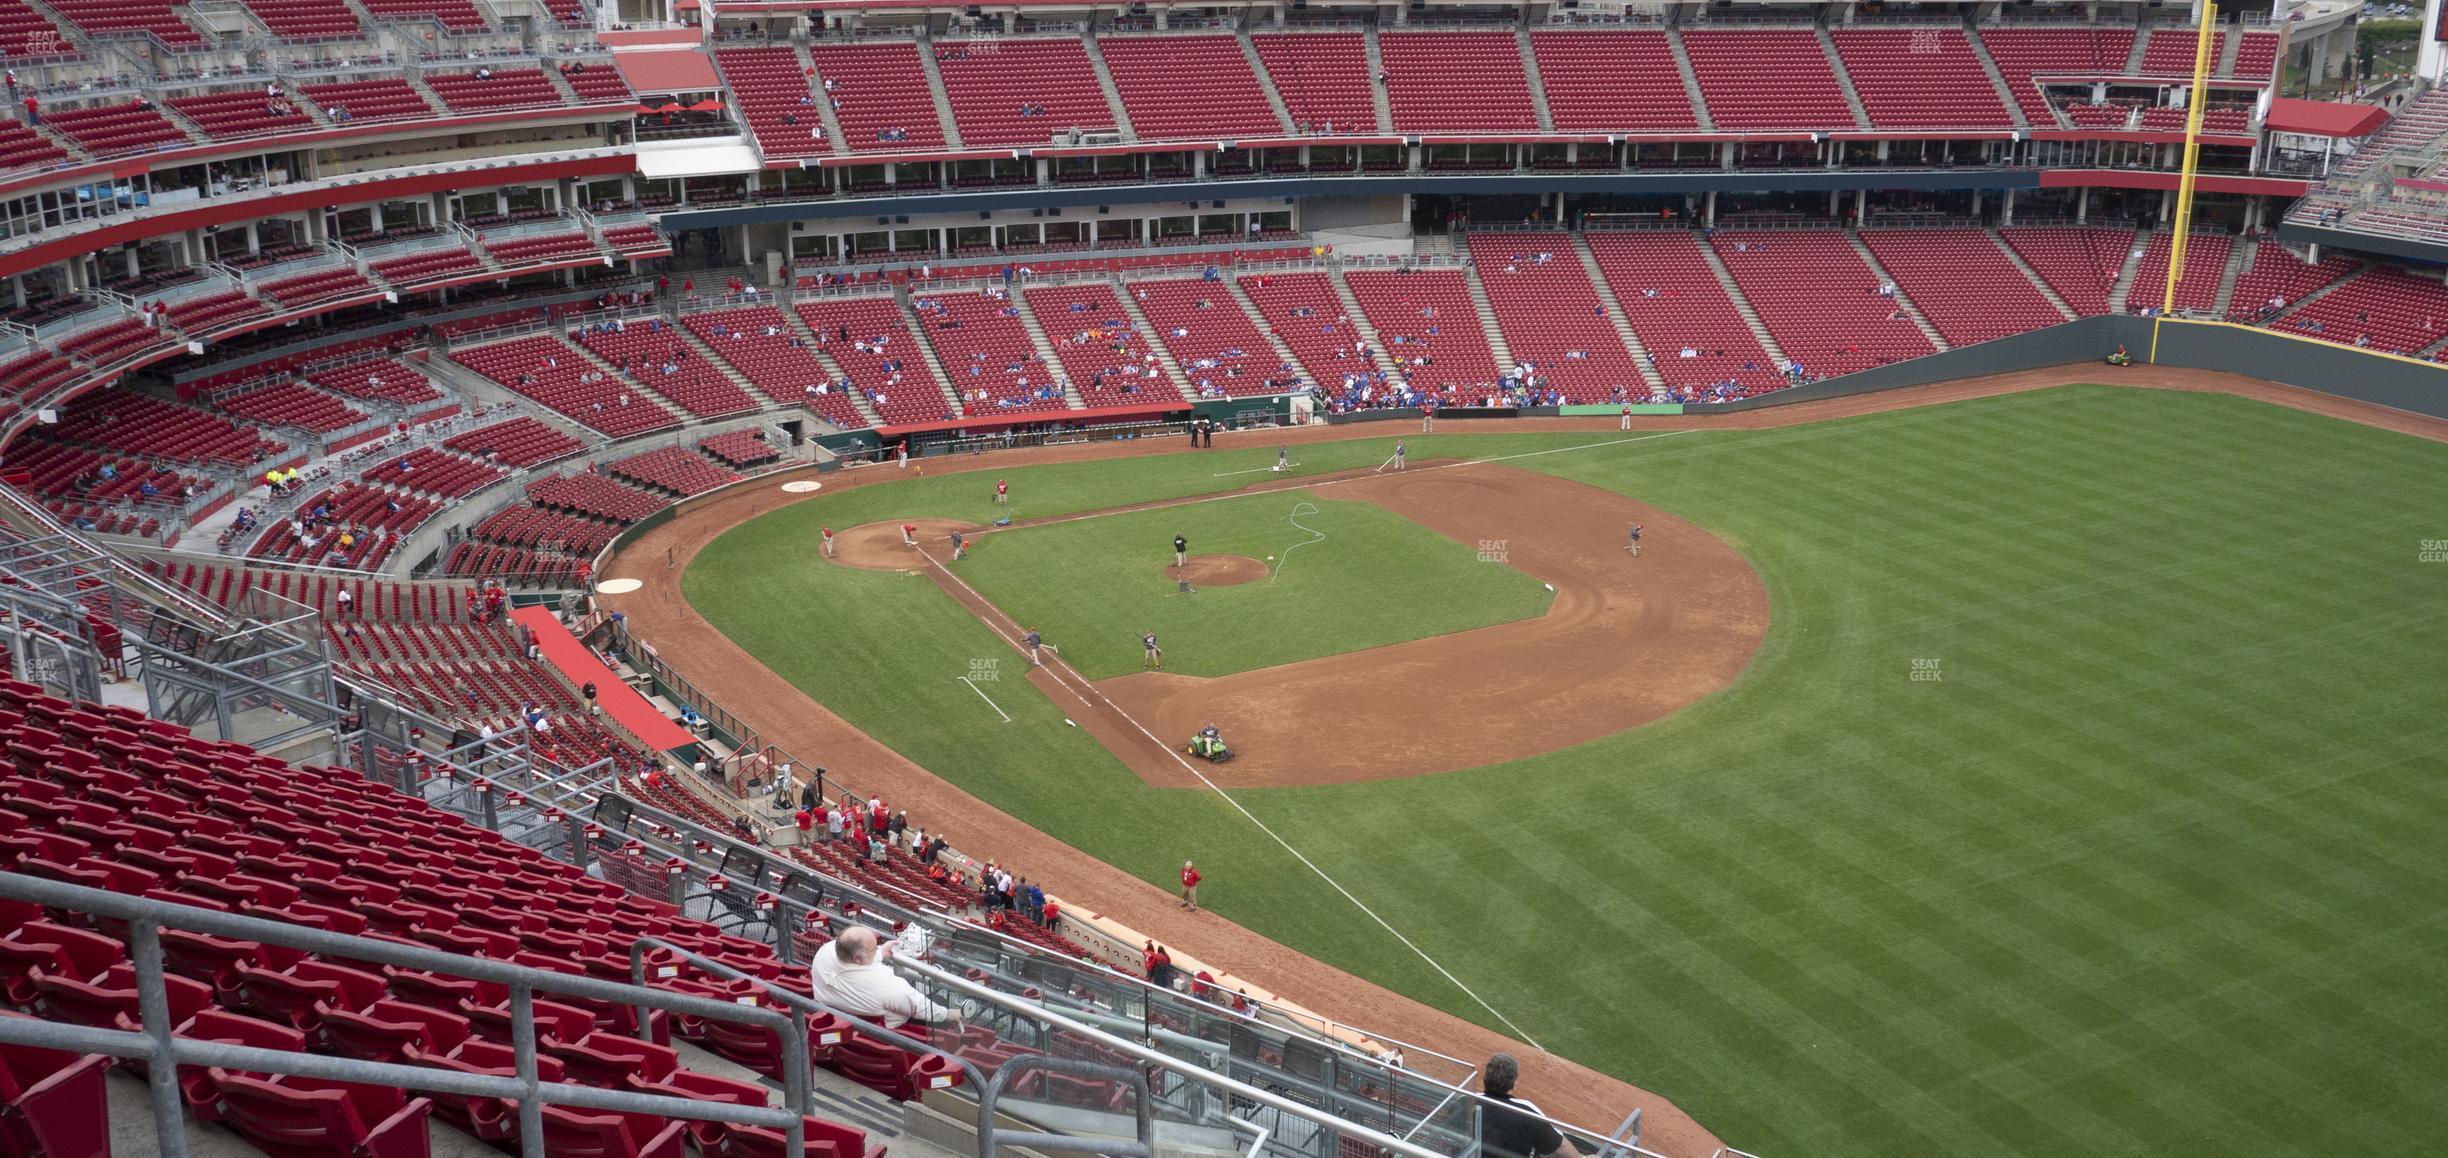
(2153, 867)
(1352, 575)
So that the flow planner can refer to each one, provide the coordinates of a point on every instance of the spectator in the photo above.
(850, 975)
(1512, 1127)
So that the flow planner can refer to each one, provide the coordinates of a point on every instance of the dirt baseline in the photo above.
(1626, 641)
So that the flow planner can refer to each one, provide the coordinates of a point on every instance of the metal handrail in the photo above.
(164, 1052)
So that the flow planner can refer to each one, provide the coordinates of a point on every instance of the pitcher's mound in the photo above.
(878, 546)
(1219, 570)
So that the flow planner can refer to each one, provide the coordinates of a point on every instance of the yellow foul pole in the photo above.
(2204, 35)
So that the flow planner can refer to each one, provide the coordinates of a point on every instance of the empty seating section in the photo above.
(363, 525)
(2228, 121)
(60, 469)
(601, 84)
(384, 99)
(507, 88)
(546, 530)
(1551, 315)
(1426, 323)
(124, 420)
(198, 315)
(23, 148)
(154, 16)
(533, 249)
(1962, 282)
(2170, 52)
(520, 442)
(25, 32)
(662, 360)
(320, 286)
(630, 240)
(383, 378)
(1323, 78)
(777, 362)
(1612, 79)
(1219, 349)
(456, 15)
(1676, 304)
(1447, 81)
(289, 404)
(35, 373)
(429, 265)
(2081, 264)
(986, 352)
(2023, 54)
(1766, 78)
(2256, 56)
(116, 128)
(2384, 309)
(238, 113)
(1304, 312)
(435, 473)
(306, 18)
(2100, 116)
(542, 367)
(596, 496)
(1023, 92)
(1920, 78)
(2205, 263)
(740, 448)
(2277, 279)
(677, 469)
(1185, 87)
(105, 344)
(1102, 353)
(870, 341)
(880, 95)
(772, 90)
(1819, 300)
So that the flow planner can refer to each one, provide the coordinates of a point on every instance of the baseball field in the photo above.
(2052, 773)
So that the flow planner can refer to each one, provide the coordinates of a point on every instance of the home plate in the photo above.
(618, 586)
(803, 486)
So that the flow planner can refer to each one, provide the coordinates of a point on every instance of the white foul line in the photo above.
(983, 696)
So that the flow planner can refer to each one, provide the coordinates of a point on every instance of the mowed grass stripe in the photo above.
(2173, 799)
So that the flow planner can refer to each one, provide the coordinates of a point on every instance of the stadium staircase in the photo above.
(926, 350)
(2038, 282)
(1844, 81)
(1538, 86)
(1266, 80)
(1359, 317)
(2005, 91)
(832, 369)
(2239, 259)
(2229, 45)
(1257, 317)
(1742, 305)
(1691, 80)
(1487, 318)
(1615, 312)
(2123, 289)
(416, 80)
(1105, 81)
(715, 359)
(935, 88)
(1044, 348)
(1903, 300)
(2141, 48)
(561, 85)
(1377, 92)
(834, 136)
(1154, 340)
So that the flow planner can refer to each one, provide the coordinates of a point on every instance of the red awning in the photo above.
(667, 70)
(618, 700)
(2324, 118)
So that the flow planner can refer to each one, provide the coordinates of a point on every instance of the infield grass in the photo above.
(2152, 866)
(1349, 575)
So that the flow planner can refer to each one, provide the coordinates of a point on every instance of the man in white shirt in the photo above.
(851, 975)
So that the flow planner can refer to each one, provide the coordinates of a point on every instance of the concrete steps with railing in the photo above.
(1903, 300)
(1038, 341)
(1844, 78)
(2122, 288)
(1266, 81)
(1377, 92)
(816, 350)
(1487, 319)
(1257, 318)
(1742, 305)
(1154, 340)
(1997, 78)
(1691, 80)
(1616, 315)
(2038, 282)
(824, 104)
(2239, 259)
(1359, 319)
(914, 324)
(1538, 85)
(1113, 92)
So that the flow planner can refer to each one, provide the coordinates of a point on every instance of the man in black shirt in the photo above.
(1511, 1127)
(1181, 551)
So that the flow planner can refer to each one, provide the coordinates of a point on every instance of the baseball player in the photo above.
(1033, 643)
(960, 547)
(1154, 657)
(1428, 416)
(1002, 493)
(1283, 457)
(1181, 551)
(1634, 546)
(1400, 449)
(828, 542)
(1627, 416)
(909, 534)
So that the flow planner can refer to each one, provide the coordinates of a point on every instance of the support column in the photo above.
(1708, 212)
(2082, 205)
(1861, 205)
(1976, 202)
(2006, 208)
